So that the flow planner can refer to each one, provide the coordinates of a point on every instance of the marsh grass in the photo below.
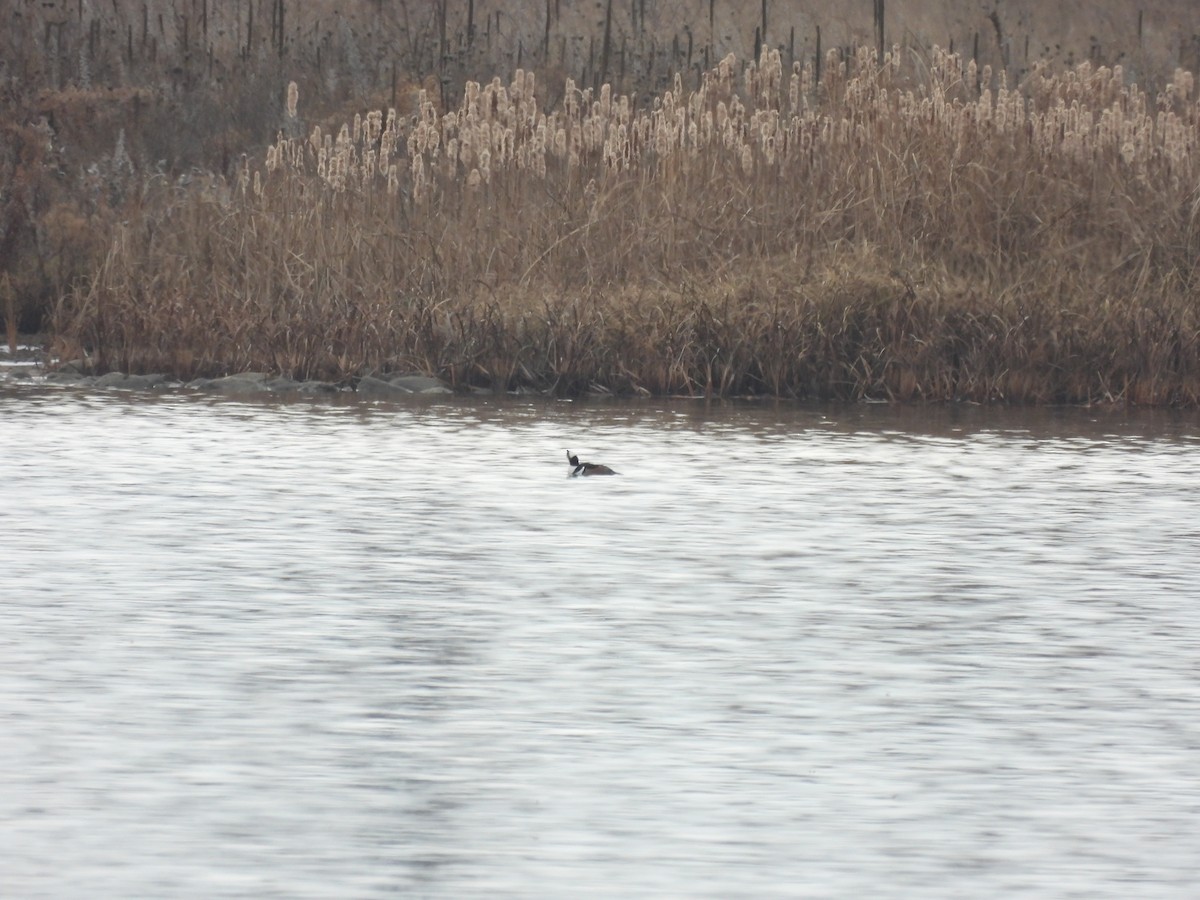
(911, 228)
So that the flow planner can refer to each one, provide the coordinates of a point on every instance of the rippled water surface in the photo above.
(317, 650)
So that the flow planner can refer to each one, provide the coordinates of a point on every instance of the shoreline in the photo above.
(32, 367)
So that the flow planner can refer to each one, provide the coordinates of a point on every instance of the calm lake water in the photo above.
(365, 650)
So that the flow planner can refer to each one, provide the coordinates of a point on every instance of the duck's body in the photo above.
(586, 468)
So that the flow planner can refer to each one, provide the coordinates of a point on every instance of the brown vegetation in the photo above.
(821, 222)
(909, 228)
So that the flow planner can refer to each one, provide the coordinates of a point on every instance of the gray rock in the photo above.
(64, 377)
(244, 383)
(420, 384)
(145, 382)
(370, 386)
(401, 385)
(129, 382)
(315, 388)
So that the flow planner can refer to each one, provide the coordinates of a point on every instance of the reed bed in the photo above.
(910, 228)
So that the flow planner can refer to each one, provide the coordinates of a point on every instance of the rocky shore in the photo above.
(29, 366)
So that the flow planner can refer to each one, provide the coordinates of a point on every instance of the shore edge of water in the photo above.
(31, 365)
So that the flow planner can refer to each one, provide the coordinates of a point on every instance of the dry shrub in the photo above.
(900, 231)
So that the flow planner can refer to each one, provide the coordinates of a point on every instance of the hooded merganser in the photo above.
(587, 468)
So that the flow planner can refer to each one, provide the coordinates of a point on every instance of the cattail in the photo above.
(481, 140)
(293, 98)
(570, 100)
(662, 139)
(418, 176)
(466, 148)
(1184, 82)
(470, 98)
(725, 72)
(737, 112)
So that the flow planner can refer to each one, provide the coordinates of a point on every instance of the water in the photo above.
(351, 650)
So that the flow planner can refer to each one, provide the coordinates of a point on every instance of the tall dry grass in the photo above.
(909, 228)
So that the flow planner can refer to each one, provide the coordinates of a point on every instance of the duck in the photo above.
(586, 468)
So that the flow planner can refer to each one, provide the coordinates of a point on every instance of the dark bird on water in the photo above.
(586, 468)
